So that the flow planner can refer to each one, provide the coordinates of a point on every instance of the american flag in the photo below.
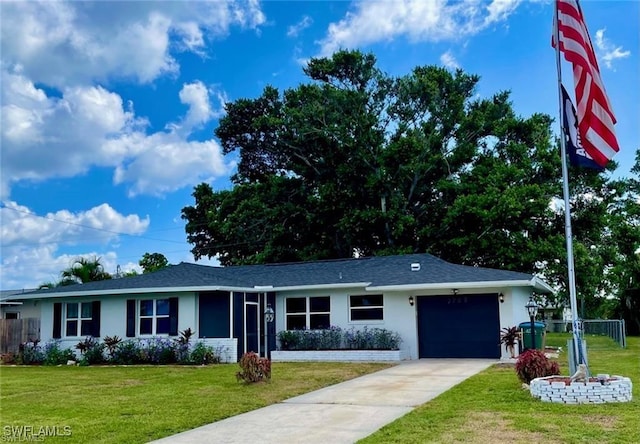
(595, 115)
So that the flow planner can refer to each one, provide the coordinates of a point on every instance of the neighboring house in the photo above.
(440, 309)
(12, 306)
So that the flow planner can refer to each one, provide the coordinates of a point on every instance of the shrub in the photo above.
(182, 353)
(289, 339)
(185, 336)
(54, 355)
(308, 340)
(202, 354)
(7, 358)
(158, 351)
(94, 354)
(359, 339)
(334, 338)
(329, 339)
(91, 350)
(372, 339)
(127, 353)
(30, 353)
(534, 364)
(253, 368)
(384, 339)
(111, 343)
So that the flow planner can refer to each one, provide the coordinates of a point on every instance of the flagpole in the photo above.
(578, 357)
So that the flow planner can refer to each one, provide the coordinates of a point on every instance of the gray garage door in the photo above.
(461, 326)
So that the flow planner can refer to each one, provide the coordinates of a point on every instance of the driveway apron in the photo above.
(341, 413)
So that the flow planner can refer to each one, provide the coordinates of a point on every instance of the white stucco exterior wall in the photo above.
(398, 315)
(401, 317)
(113, 314)
(513, 310)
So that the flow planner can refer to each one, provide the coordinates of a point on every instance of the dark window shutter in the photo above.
(131, 318)
(173, 316)
(95, 319)
(57, 320)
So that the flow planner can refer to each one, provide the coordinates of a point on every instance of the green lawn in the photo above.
(491, 407)
(137, 404)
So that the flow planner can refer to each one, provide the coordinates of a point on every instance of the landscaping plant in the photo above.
(334, 338)
(182, 346)
(111, 343)
(30, 353)
(53, 354)
(509, 337)
(127, 353)
(253, 368)
(91, 350)
(202, 354)
(534, 364)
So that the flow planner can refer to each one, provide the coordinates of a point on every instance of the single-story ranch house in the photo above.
(438, 308)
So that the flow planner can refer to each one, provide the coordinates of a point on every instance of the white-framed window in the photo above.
(78, 318)
(154, 316)
(308, 312)
(368, 307)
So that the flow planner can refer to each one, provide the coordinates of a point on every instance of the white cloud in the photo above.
(608, 51)
(168, 163)
(21, 226)
(30, 241)
(295, 30)
(37, 266)
(417, 20)
(196, 96)
(500, 10)
(44, 137)
(62, 43)
(449, 61)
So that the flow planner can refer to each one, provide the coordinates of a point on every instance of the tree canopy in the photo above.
(357, 162)
(83, 270)
(151, 262)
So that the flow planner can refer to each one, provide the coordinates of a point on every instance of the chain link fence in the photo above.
(613, 328)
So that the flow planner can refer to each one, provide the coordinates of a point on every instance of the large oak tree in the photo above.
(357, 162)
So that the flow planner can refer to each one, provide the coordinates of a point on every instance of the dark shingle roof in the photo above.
(376, 271)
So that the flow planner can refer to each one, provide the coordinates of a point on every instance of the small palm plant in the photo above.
(509, 337)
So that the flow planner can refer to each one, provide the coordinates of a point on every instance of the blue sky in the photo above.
(109, 108)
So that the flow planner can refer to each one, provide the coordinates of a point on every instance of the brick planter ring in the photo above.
(604, 389)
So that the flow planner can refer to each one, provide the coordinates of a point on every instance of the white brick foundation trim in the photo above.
(339, 355)
(227, 347)
(614, 389)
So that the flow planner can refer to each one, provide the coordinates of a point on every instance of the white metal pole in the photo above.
(577, 345)
(264, 319)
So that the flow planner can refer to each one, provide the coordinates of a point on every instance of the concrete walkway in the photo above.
(341, 413)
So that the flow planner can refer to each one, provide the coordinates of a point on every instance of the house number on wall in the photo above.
(458, 300)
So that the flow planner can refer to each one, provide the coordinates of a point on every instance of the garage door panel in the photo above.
(462, 326)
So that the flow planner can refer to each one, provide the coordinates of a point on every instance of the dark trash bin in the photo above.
(539, 331)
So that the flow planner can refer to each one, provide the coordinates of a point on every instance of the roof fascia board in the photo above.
(320, 287)
(256, 289)
(462, 285)
(542, 285)
(118, 291)
(534, 282)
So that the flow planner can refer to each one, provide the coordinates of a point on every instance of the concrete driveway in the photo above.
(341, 413)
